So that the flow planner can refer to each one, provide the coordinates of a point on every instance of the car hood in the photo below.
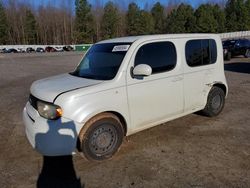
(49, 88)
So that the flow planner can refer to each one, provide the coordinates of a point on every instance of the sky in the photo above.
(141, 3)
(123, 4)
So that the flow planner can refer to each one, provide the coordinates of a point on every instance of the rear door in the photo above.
(200, 55)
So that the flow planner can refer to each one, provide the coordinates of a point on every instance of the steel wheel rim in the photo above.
(216, 102)
(103, 140)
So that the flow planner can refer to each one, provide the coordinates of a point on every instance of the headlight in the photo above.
(49, 111)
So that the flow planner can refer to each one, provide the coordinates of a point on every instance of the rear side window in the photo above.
(160, 56)
(201, 52)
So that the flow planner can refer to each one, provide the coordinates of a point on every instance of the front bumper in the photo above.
(50, 137)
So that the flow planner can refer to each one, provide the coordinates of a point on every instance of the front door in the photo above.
(159, 96)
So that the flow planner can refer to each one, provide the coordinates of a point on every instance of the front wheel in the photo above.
(215, 102)
(101, 137)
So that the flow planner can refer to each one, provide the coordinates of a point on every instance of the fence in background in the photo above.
(234, 35)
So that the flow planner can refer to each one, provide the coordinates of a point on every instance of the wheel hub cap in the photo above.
(216, 102)
(103, 139)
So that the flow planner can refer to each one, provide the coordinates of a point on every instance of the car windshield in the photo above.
(102, 61)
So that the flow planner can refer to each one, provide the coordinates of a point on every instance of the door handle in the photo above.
(176, 79)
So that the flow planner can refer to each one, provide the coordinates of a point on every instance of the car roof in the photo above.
(131, 39)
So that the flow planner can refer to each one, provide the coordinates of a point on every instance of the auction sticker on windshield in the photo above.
(121, 48)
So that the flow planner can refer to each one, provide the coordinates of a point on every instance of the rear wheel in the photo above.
(101, 137)
(215, 102)
(228, 56)
(247, 54)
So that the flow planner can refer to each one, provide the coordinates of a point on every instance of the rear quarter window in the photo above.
(201, 52)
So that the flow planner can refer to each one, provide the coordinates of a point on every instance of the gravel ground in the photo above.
(193, 151)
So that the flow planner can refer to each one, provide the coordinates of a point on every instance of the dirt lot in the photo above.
(193, 151)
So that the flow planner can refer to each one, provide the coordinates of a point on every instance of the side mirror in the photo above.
(142, 70)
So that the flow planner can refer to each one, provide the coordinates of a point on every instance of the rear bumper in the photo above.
(50, 137)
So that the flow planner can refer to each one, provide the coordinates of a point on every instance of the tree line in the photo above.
(22, 23)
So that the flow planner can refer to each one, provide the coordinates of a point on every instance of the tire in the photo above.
(228, 56)
(101, 137)
(215, 102)
(247, 54)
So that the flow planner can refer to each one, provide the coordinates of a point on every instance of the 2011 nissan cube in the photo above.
(123, 86)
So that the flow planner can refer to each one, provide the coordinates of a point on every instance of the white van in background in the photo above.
(123, 86)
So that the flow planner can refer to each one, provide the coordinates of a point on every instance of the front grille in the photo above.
(33, 101)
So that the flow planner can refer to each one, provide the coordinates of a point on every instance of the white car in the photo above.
(123, 86)
(59, 49)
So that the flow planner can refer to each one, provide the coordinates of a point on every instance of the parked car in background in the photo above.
(50, 49)
(11, 50)
(68, 48)
(123, 86)
(39, 49)
(21, 50)
(236, 47)
(5, 50)
(59, 49)
(30, 50)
